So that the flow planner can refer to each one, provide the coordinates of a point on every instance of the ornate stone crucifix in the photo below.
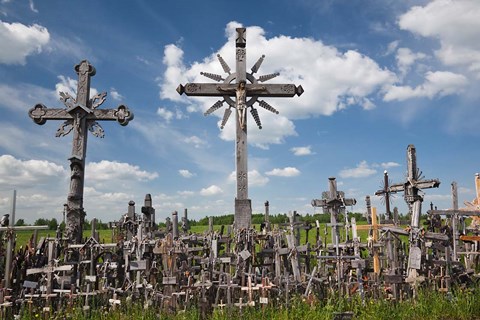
(246, 90)
(80, 115)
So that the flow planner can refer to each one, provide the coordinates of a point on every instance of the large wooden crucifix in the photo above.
(80, 115)
(413, 198)
(246, 90)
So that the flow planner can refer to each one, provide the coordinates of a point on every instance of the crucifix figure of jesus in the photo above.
(241, 99)
(245, 88)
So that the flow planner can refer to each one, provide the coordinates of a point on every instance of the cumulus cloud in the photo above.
(336, 80)
(113, 170)
(174, 72)
(185, 173)
(437, 84)
(211, 191)
(284, 172)
(302, 151)
(390, 164)
(28, 173)
(196, 141)
(406, 58)
(115, 94)
(165, 114)
(362, 170)
(22, 41)
(255, 178)
(455, 24)
(69, 85)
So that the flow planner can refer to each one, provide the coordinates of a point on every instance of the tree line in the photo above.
(257, 218)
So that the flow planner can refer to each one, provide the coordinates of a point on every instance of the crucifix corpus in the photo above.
(246, 90)
(80, 115)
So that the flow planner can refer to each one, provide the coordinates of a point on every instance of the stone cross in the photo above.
(80, 115)
(411, 188)
(245, 89)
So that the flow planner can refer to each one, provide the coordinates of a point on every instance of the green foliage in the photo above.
(20, 222)
(429, 304)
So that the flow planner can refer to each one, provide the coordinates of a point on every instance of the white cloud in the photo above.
(196, 141)
(211, 191)
(28, 173)
(455, 24)
(392, 46)
(284, 172)
(335, 80)
(255, 178)
(406, 58)
(113, 170)
(20, 41)
(186, 193)
(165, 114)
(439, 83)
(361, 171)
(174, 73)
(115, 94)
(32, 6)
(185, 173)
(302, 151)
(69, 85)
(390, 164)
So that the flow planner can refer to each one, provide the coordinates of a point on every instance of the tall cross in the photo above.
(246, 90)
(411, 188)
(385, 193)
(80, 115)
(333, 202)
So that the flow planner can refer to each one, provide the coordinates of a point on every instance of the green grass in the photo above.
(462, 305)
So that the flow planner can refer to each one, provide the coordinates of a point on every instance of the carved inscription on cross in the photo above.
(80, 115)
(240, 90)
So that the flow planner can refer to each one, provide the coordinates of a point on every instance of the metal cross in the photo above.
(246, 90)
(80, 115)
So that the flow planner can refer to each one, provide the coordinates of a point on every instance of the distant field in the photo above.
(106, 235)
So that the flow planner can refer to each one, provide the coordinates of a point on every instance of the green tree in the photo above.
(52, 224)
(20, 222)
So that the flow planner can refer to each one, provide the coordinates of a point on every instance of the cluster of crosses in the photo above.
(173, 268)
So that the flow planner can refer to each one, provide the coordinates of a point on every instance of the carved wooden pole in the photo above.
(246, 95)
(80, 116)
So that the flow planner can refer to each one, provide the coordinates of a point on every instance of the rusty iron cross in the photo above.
(80, 115)
(240, 90)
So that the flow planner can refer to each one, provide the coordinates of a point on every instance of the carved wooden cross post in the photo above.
(246, 94)
(80, 116)
(385, 193)
(411, 189)
(334, 202)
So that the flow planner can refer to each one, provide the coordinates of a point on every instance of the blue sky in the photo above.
(378, 76)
